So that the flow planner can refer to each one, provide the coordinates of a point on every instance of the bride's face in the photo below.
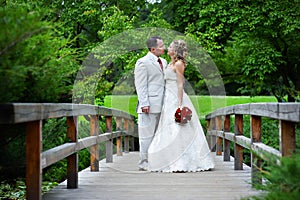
(171, 50)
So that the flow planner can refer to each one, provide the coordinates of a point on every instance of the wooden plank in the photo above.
(269, 110)
(229, 136)
(219, 139)
(58, 153)
(122, 180)
(287, 133)
(209, 136)
(94, 151)
(240, 140)
(25, 112)
(109, 143)
(289, 112)
(33, 160)
(280, 111)
(212, 139)
(255, 137)
(226, 147)
(72, 160)
(238, 149)
(126, 137)
(243, 141)
(119, 139)
(242, 109)
(265, 152)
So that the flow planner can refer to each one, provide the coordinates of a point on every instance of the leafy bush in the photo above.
(15, 189)
(282, 181)
(36, 63)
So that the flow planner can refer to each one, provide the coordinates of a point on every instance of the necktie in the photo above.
(160, 63)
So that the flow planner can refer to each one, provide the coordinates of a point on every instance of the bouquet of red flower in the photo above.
(183, 115)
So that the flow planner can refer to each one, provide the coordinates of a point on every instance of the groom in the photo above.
(149, 83)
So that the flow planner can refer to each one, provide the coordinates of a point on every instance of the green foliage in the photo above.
(282, 181)
(114, 22)
(15, 189)
(155, 19)
(12, 189)
(254, 44)
(36, 66)
(54, 133)
(12, 151)
(44, 43)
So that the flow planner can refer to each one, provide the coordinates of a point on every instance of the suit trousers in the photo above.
(147, 125)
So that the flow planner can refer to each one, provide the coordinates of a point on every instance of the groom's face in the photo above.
(160, 49)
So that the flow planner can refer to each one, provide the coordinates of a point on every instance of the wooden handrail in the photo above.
(34, 113)
(218, 126)
(279, 111)
(25, 112)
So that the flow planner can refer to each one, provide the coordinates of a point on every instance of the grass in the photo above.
(203, 104)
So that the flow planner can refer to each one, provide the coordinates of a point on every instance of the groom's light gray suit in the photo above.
(150, 85)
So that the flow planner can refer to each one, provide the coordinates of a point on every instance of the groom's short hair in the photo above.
(152, 42)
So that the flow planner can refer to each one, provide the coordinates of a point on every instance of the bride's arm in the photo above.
(179, 67)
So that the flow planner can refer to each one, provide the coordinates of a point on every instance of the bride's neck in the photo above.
(172, 60)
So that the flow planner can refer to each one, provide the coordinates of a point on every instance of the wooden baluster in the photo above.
(219, 139)
(287, 135)
(255, 137)
(226, 142)
(126, 137)
(109, 143)
(208, 136)
(238, 150)
(132, 129)
(72, 160)
(213, 137)
(94, 151)
(119, 139)
(33, 160)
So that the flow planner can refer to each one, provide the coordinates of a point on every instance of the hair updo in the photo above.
(180, 50)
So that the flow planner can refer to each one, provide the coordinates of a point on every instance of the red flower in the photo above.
(183, 115)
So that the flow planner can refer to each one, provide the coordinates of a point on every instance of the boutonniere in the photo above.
(183, 115)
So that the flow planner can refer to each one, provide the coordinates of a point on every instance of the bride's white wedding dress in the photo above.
(178, 147)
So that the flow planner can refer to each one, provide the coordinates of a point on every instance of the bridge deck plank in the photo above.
(122, 180)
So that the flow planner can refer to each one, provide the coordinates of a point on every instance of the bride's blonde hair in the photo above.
(180, 50)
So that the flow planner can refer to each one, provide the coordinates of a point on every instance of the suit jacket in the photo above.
(149, 83)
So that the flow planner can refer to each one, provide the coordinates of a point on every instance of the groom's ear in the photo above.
(152, 49)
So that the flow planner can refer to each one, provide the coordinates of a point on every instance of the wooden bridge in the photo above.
(117, 176)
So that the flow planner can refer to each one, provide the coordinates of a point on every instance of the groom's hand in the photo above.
(146, 109)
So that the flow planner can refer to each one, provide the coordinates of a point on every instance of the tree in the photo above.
(270, 34)
(36, 65)
(255, 44)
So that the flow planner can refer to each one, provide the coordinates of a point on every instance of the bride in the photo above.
(178, 147)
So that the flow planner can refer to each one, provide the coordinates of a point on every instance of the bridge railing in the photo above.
(220, 136)
(33, 114)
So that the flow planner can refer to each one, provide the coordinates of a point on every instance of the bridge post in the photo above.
(119, 139)
(109, 143)
(126, 137)
(72, 160)
(226, 142)
(211, 125)
(219, 139)
(238, 150)
(255, 137)
(33, 160)
(94, 151)
(287, 135)
(132, 130)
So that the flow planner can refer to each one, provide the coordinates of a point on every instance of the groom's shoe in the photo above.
(142, 169)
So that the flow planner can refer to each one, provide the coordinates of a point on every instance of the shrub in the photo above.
(282, 181)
